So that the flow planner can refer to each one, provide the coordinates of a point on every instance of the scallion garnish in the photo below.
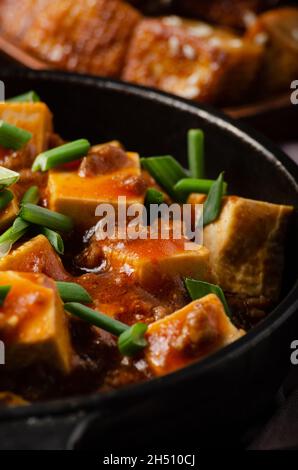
(188, 186)
(212, 205)
(4, 290)
(54, 238)
(196, 165)
(131, 339)
(28, 97)
(59, 155)
(153, 196)
(12, 137)
(198, 289)
(72, 292)
(31, 195)
(7, 177)
(166, 171)
(12, 235)
(6, 197)
(46, 218)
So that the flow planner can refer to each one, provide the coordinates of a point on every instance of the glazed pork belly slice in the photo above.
(106, 173)
(33, 325)
(36, 255)
(33, 117)
(277, 30)
(192, 59)
(189, 334)
(80, 36)
(246, 245)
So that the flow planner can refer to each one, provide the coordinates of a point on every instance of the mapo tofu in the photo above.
(83, 309)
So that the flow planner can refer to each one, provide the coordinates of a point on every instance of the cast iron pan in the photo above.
(211, 401)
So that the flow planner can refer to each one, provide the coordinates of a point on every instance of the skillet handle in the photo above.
(40, 433)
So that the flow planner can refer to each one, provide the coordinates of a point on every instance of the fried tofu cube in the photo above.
(152, 260)
(188, 335)
(246, 245)
(36, 255)
(85, 36)
(8, 214)
(107, 173)
(33, 117)
(33, 324)
(192, 59)
(277, 30)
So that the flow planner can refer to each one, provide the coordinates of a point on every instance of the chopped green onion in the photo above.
(46, 218)
(198, 289)
(64, 154)
(153, 196)
(13, 137)
(8, 238)
(4, 290)
(166, 171)
(29, 97)
(54, 238)
(196, 153)
(6, 197)
(212, 205)
(19, 225)
(72, 292)
(96, 318)
(188, 186)
(131, 341)
(7, 177)
(31, 195)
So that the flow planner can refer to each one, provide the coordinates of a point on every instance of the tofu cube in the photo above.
(33, 117)
(85, 36)
(8, 214)
(192, 59)
(189, 334)
(105, 174)
(36, 255)
(152, 260)
(33, 324)
(246, 245)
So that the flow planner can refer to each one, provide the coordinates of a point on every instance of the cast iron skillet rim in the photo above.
(257, 334)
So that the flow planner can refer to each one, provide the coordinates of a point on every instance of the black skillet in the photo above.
(209, 402)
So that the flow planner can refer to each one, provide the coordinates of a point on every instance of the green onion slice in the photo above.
(13, 137)
(196, 165)
(8, 238)
(198, 289)
(96, 318)
(131, 341)
(4, 290)
(212, 204)
(46, 218)
(72, 292)
(7, 177)
(28, 97)
(31, 195)
(6, 197)
(153, 196)
(188, 186)
(166, 171)
(54, 238)
(64, 154)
